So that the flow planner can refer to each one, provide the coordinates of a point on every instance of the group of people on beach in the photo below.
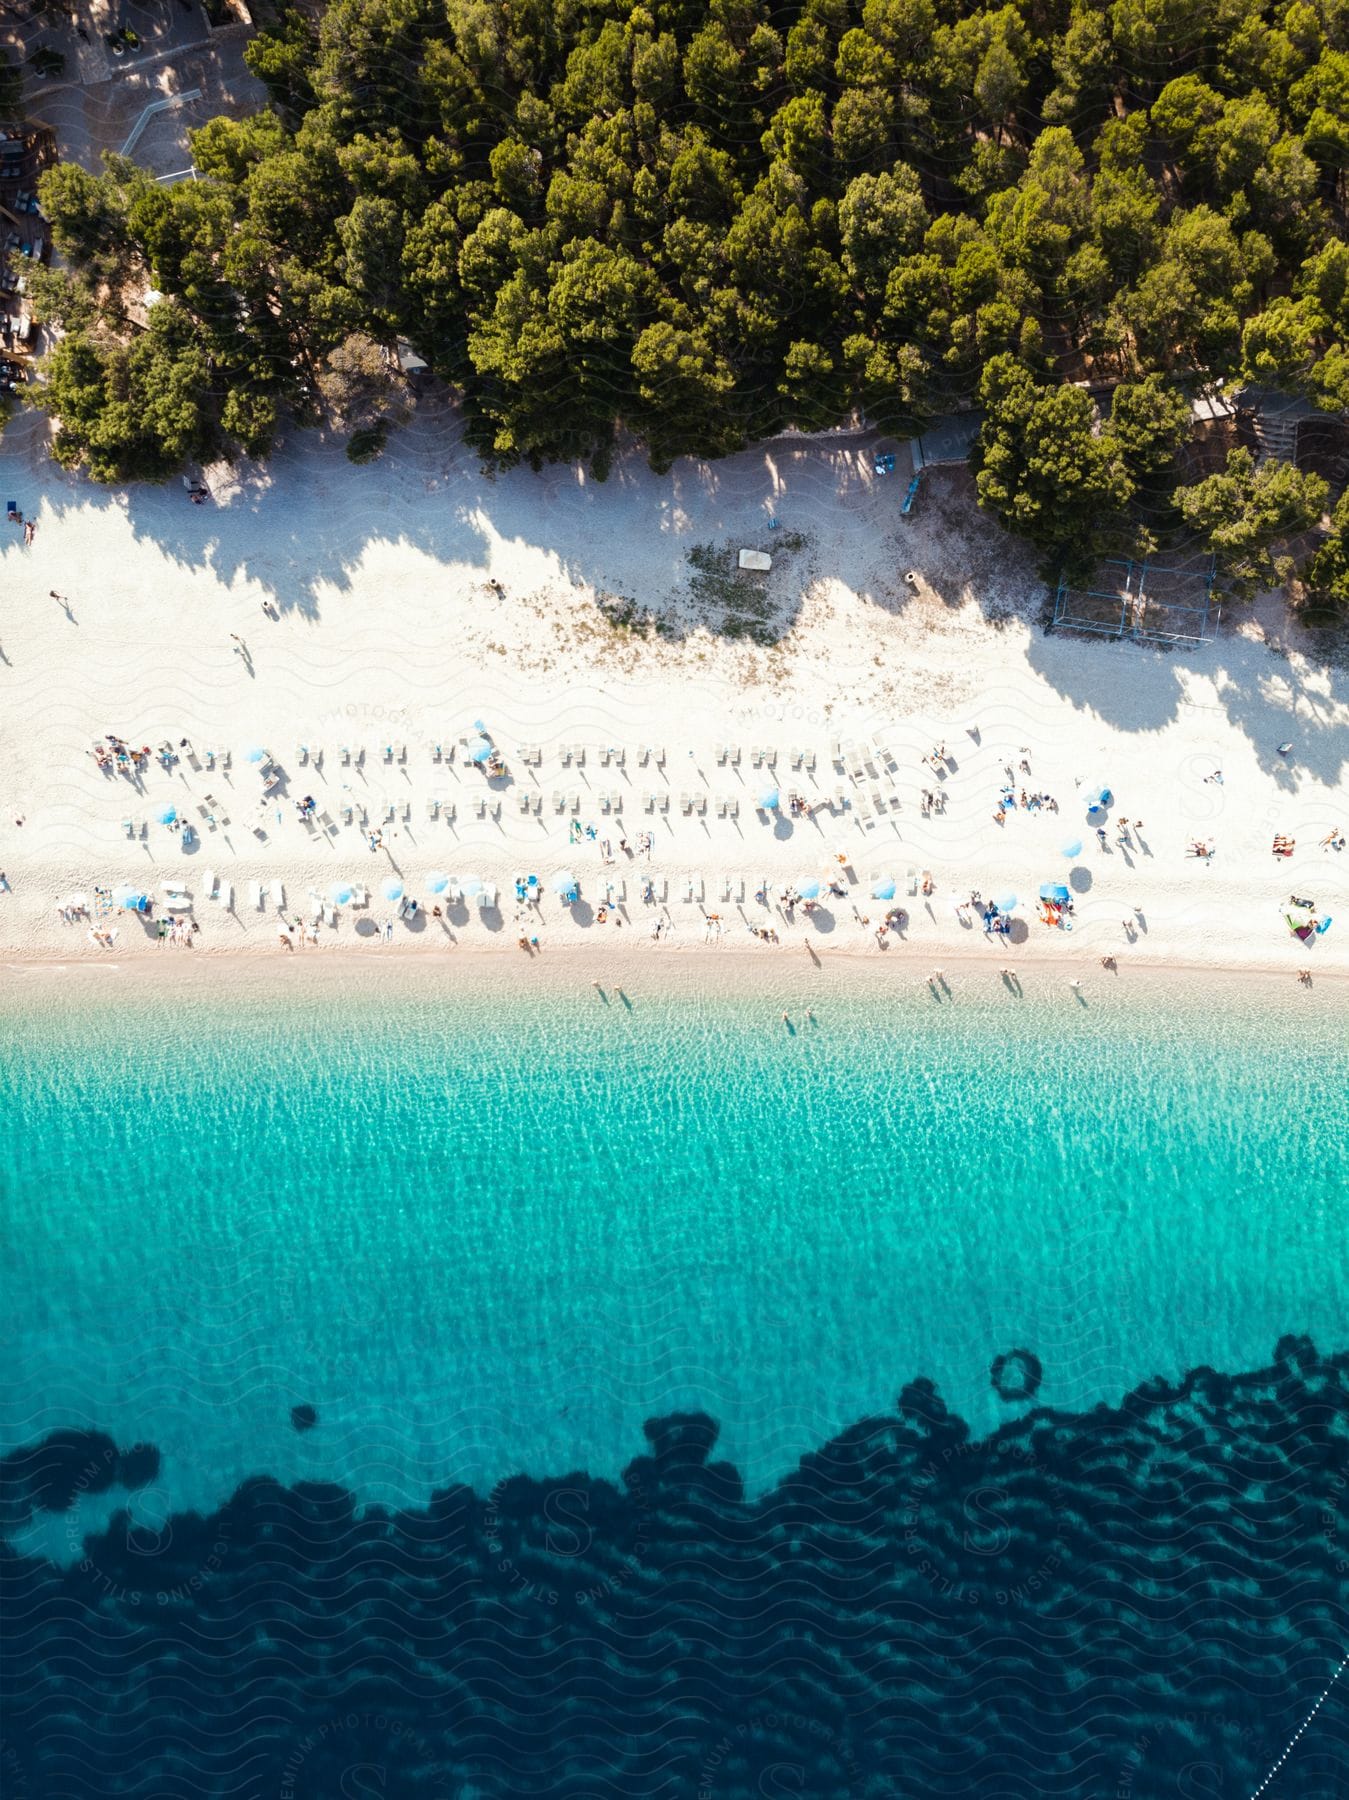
(117, 754)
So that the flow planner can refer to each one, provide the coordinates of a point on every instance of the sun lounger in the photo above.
(348, 814)
(278, 893)
(617, 890)
(578, 755)
(226, 896)
(447, 811)
(700, 803)
(255, 895)
(732, 806)
(302, 754)
(686, 889)
(129, 827)
(795, 757)
(209, 879)
(911, 877)
(480, 806)
(330, 914)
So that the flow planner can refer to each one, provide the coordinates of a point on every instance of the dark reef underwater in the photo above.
(1138, 1601)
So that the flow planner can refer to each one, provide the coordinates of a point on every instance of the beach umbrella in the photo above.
(1097, 793)
(1005, 903)
(256, 755)
(884, 889)
(339, 893)
(437, 881)
(564, 883)
(392, 889)
(471, 887)
(129, 898)
(1095, 814)
(1054, 890)
(478, 749)
(809, 889)
(1072, 848)
(167, 815)
(768, 799)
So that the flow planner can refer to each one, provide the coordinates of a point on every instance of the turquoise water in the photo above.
(483, 1229)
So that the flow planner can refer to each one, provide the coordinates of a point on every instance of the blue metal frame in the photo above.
(1132, 595)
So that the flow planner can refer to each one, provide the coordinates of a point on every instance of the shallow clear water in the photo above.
(484, 1228)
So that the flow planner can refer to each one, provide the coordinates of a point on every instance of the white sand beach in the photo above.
(345, 621)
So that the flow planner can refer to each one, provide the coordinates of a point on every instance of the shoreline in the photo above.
(706, 970)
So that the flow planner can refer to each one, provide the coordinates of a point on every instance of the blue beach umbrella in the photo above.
(339, 893)
(1072, 848)
(167, 815)
(392, 889)
(564, 884)
(478, 749)
(884, 889)
(437, 881)
(1054, 890)
(1097, 793)
(809, 889)
(256, 755)
(768, 800)
(471, 887)
(1005, 903)
(130, 898)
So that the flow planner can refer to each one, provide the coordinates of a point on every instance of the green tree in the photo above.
(1149, 421)
(1043, 468)
(1247, 512)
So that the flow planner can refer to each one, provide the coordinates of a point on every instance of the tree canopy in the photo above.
(701, 221)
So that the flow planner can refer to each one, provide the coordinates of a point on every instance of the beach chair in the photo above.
(620, 757)
(433, 809)
(362, 816)
(770, 757)
(447, 811)
(723, 753)
(209, 879)
(662, 801)
(329, 914)
(733, 806)
(835, 750)
(686, 803)
(389, 812)
(487, 897)
(226, 759)
(615, 800)
(559, 801)
(302, 754)
(605, 754)
(226, 896)
(809, 760)
(278, 892)
(617, 890)
(840, 800)
(578, 755)
(658, 755)
(795, 757)
(911, 879)
(344, 755)
(407, 810)
(129, 827)
(480, 805)
(564, 755)
(686, 889)
(348, 814)
(360, 896)
(725, 887)
(402, 752)
(255, 899)
(756, 757)
(721, 806)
